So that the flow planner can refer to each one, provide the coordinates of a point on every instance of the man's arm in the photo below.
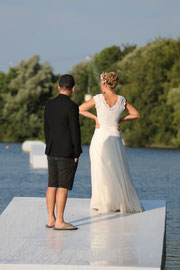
(46, 127)
(73, 117)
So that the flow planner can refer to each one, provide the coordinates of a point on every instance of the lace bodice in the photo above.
(109, 116)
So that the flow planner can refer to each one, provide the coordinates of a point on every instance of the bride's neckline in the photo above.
(107, 105)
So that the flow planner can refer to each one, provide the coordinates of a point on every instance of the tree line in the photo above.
(149, 80)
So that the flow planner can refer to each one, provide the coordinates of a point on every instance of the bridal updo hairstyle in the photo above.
(111, 79)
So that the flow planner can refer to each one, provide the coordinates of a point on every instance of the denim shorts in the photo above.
(61, 172)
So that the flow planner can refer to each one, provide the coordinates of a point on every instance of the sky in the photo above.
(64, 32)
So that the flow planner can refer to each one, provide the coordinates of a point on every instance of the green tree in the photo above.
(24, 103)
(84, 76)
(149, 80)
(80, 74)
(144, 76)
(4, 89)
(106, 59)
(174, 100)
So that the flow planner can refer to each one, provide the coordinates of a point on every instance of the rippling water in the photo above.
(156, 175)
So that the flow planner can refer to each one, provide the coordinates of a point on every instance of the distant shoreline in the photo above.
(153, 146)
(167, 147)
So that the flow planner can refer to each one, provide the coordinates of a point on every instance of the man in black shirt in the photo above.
(63, 148)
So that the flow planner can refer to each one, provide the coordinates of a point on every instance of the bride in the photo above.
(112, 186)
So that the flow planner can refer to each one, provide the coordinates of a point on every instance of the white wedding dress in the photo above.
(112, 187)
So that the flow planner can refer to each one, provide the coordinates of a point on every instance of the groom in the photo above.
(63, 148)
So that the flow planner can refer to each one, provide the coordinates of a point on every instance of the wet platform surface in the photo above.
(103, 241)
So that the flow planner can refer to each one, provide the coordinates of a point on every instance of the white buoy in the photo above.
(26, 146)
(36, 150)
(37, 157)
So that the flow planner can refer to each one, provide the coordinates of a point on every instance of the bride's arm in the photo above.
(133, 113)
(83, 110)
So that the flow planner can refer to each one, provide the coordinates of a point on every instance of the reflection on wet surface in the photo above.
(102, 239)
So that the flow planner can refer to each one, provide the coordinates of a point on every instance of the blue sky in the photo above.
(64, 32)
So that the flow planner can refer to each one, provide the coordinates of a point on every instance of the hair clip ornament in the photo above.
(102, 77)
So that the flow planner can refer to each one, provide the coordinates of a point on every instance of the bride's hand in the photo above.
(118, 126)
(97, 125)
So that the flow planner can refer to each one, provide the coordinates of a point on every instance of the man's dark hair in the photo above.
(66, 81)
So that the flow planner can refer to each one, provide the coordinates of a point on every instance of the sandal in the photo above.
(66, 227)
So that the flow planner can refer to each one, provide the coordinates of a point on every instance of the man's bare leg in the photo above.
(61, 198)
(50, 201)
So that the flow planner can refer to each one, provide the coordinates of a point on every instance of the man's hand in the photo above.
(76, 160)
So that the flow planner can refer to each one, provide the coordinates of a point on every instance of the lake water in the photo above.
(156, 175)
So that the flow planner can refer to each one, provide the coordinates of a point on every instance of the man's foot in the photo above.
(49, 226)
(64, 226)
(51, 223)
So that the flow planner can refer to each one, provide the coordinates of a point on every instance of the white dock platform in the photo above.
(103, 241)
